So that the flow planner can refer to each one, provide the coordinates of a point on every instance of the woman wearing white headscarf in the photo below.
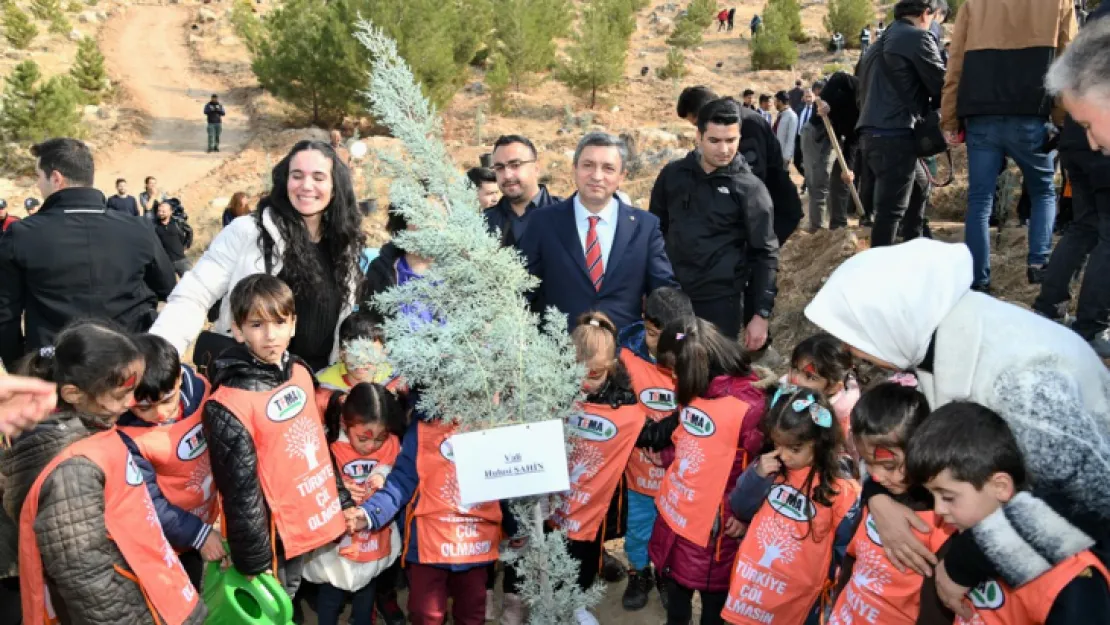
(911, 306)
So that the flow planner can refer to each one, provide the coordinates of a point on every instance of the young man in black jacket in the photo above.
(514, 163)
(76, 258)
(717, 220)
(901, 78)
(763, 153)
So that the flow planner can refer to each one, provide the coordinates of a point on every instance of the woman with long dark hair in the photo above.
(306, 232)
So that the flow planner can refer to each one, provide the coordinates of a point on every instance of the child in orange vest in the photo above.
(873, 589)
(968, 458)
(604, 435)
(166, 438)
(91, 548)
(801, 510)
(695, 538)
(280, 494)
(365, 324)
(654, 387)
(822, 364)
(364, 448)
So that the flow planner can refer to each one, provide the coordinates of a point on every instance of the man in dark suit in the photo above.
(592, 251)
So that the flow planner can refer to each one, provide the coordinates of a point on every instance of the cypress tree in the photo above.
(498, 79)
(18, 28)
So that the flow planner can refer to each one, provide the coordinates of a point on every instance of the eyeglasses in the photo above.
(511, 165)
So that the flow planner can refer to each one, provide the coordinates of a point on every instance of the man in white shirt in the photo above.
(785, 127)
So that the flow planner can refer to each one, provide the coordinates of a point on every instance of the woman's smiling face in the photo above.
(310, 182)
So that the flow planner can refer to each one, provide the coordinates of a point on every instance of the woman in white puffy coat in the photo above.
(306, 232)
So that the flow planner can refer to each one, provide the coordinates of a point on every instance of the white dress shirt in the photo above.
(606, 226)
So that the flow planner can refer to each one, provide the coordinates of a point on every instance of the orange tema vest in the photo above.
(705, 446)
(996, 603)
(448, 532)
(654, 389)
(604, 439)
(293, 463)
(783, 565)
(877, 592)
(365, 545)
(179, 454)
(132, 524)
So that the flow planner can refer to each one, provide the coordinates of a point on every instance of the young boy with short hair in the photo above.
(281, 494)
(166, 438)
(654, 388)
(968, 458)
(364, 325)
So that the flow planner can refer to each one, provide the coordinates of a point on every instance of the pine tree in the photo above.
(596, 55)
(675, 67)
(304, 55)
(59, 24)
(45, 9)
(31, 113)
(246, 23)
(791, 13)
(88, 70)
(686, 34)
(18, 28)
(474, 29)
(771, 47)
(486, 362)
(702, 12)
(498, 79)
(525, 32)
(848, 17)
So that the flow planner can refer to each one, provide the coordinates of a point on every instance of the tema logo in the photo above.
(987, 596)
(697, 422)
(790, 503)
(286, 404)
(447, 451)
(192, 444)
(359, 470)
(872, 531)
(658, 399)
(591, 427)
(132, 473)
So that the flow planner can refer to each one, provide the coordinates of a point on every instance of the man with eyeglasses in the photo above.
(514, 164)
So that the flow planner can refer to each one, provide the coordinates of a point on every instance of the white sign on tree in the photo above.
(510, 462)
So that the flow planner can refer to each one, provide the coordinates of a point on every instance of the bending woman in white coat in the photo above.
(911, 306)
(306, 232)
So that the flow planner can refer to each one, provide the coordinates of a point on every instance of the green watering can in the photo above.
(233, 600)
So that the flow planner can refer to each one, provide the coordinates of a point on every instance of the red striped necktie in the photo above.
(593, 254)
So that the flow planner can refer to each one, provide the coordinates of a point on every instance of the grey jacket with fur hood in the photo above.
(911, 305)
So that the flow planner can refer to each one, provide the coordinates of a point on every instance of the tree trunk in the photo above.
(593, 96)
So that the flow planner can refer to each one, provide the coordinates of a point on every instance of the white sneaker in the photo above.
(585, 618)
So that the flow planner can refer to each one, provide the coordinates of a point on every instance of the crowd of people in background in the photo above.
(929, 439)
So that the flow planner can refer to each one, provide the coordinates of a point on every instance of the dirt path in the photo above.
(145, 48)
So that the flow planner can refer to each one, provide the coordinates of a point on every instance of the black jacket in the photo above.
(762, 151)
(380, 275)
(72, 259)
(718, 230)
(235, 461)
(501, 218)
(916, 75)
(214, 113)
(840, 93)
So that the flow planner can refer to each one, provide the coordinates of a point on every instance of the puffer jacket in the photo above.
(1001, 51)
(9, 541)
(20, 466)
(234, 459)
(80, 561)
(710, 568)
(916, 76)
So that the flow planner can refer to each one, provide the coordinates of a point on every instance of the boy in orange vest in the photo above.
(966, 455)
(166, 438)
(280, 492)
(654, 388)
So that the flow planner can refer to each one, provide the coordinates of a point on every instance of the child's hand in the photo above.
(734, 527)
(358, 492)
(356, 520)
(376, 482)
(213, 548)
(769, 464)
